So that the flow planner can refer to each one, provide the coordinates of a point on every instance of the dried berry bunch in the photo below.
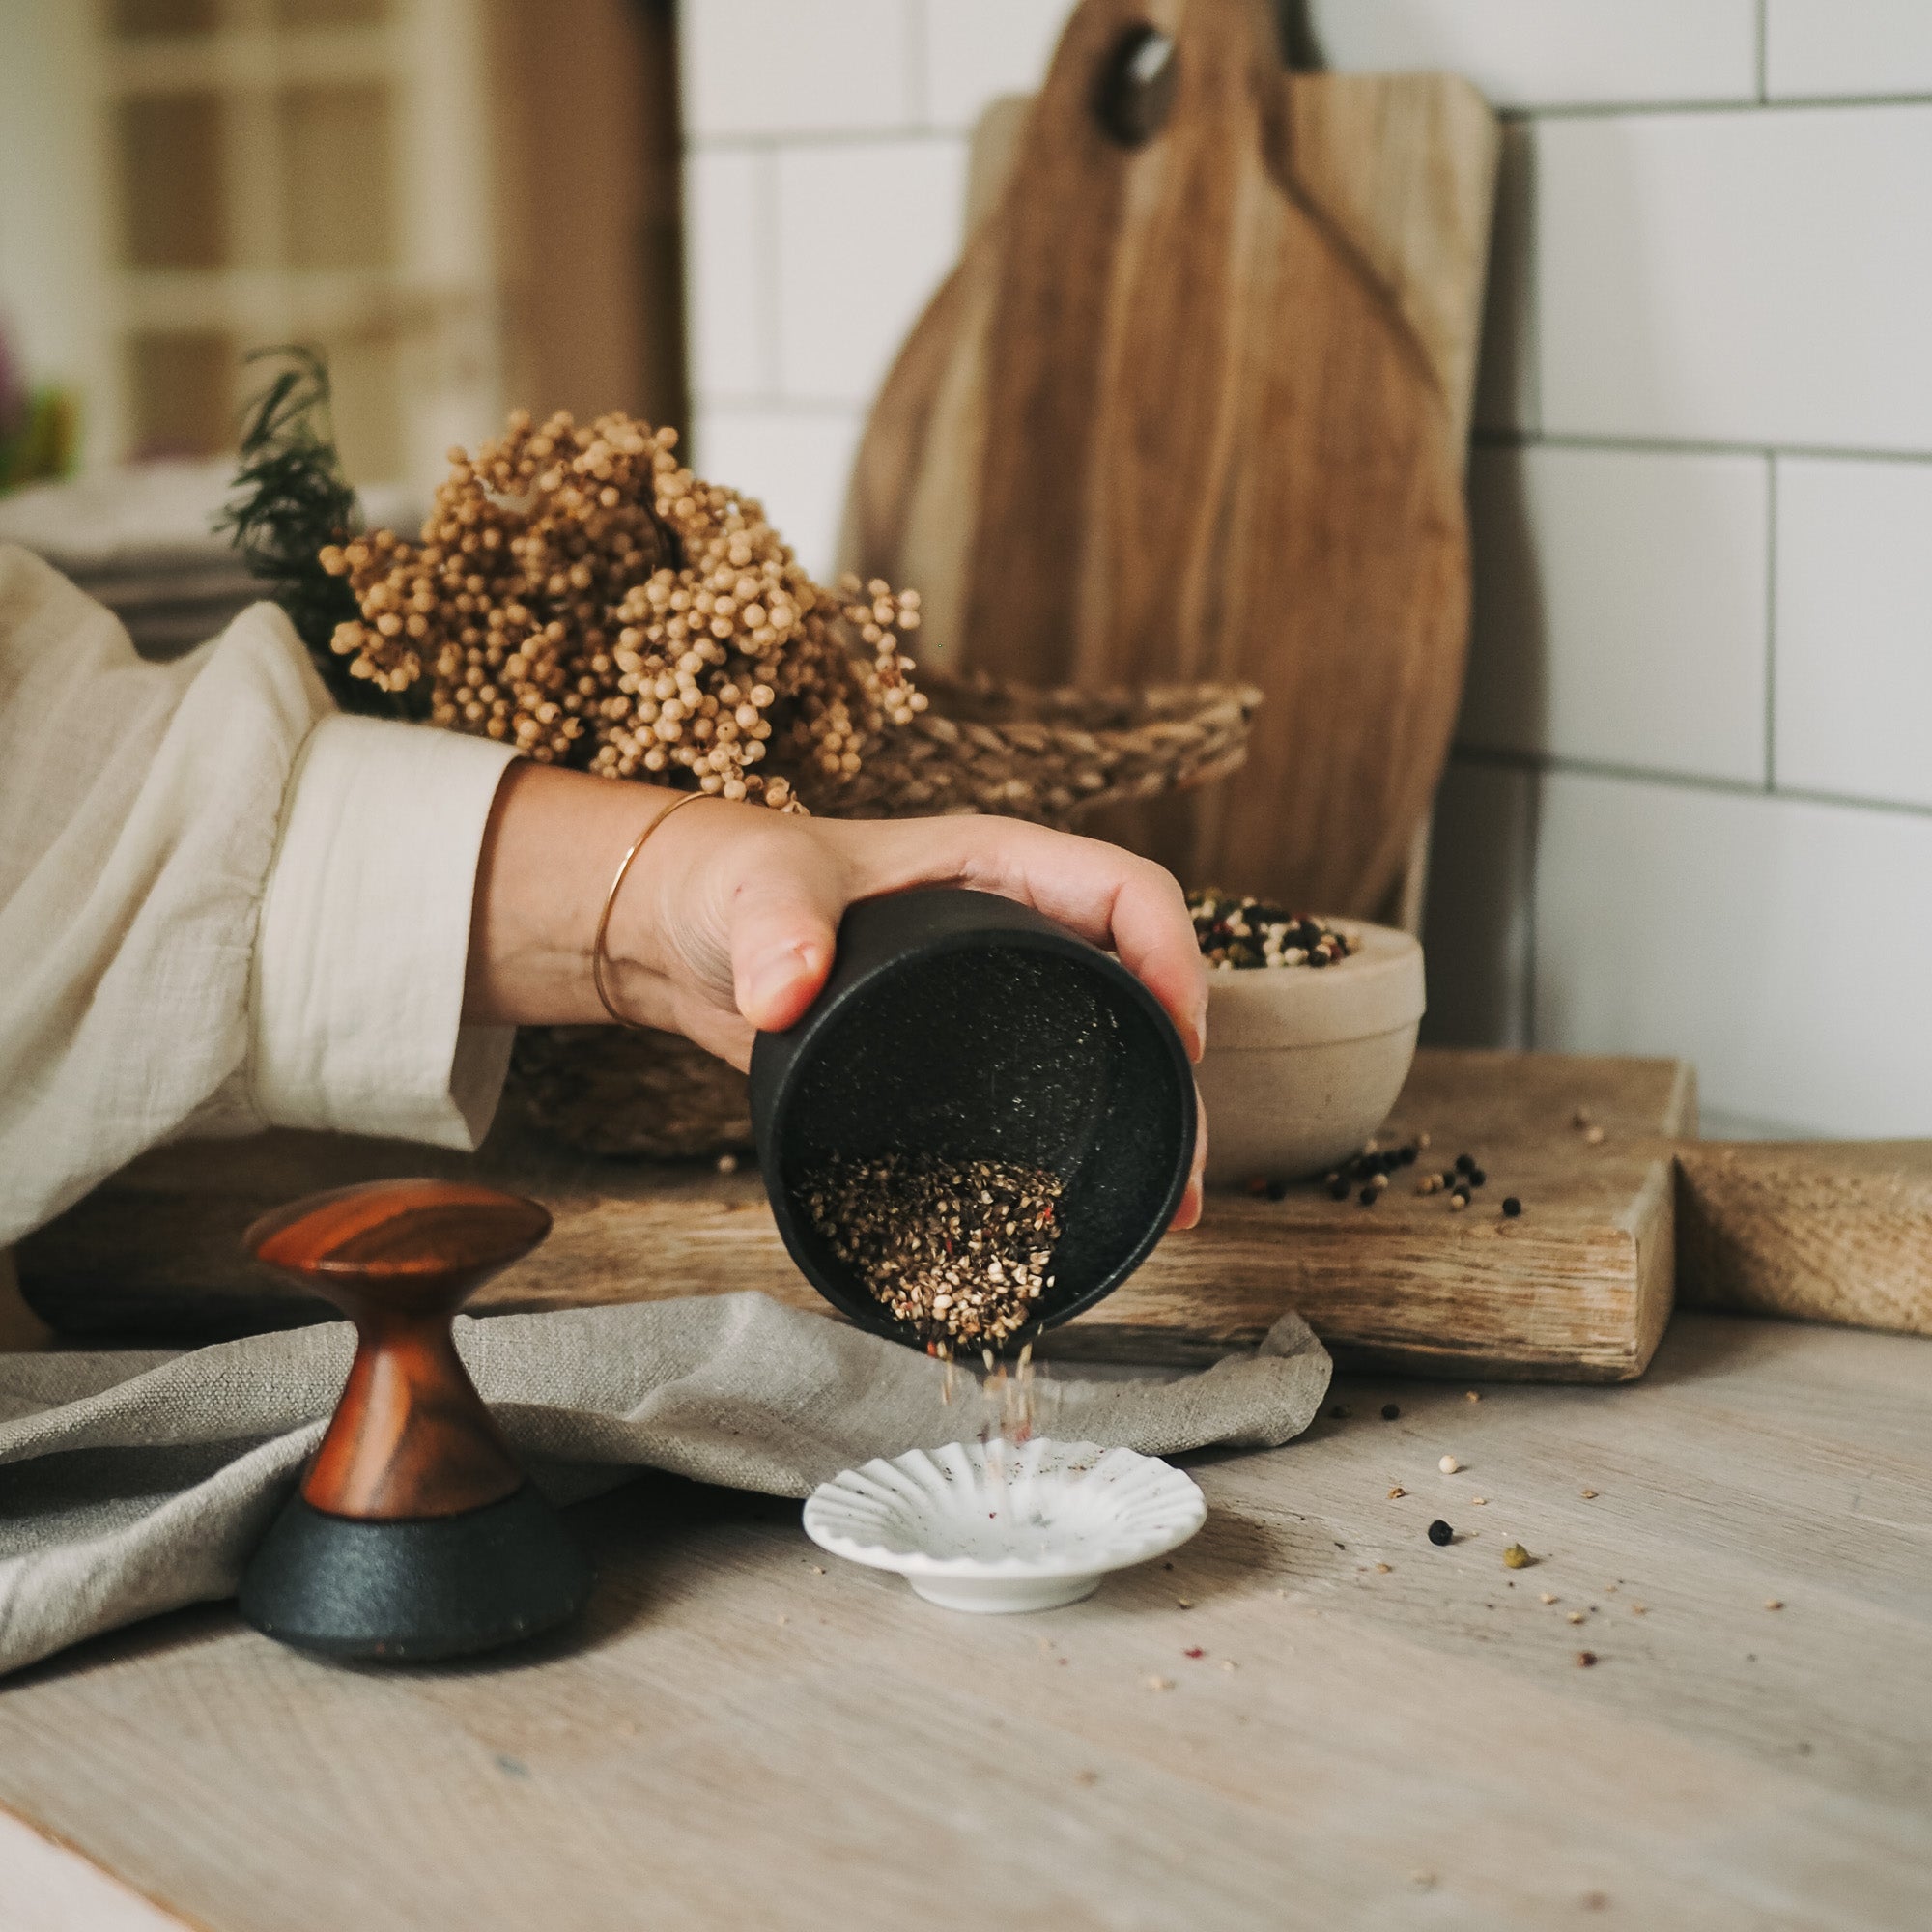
(579, 593)
(1243, 933)
(958, 1250)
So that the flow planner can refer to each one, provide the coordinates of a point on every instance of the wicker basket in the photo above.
(1045, 756)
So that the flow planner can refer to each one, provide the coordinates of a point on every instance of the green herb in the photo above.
(290, 499)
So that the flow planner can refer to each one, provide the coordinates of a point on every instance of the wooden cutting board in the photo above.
(1576, 1290)
(1197, 408)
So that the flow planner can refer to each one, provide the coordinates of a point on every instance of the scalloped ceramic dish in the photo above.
(997, 1527)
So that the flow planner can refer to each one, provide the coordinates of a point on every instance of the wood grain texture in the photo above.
(1825, 1231)
(1579, 1287)
(749, 1733)
(410, 1437)
(1197, 408)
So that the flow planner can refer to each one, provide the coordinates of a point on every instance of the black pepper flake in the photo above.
(1512, 1207)
(1440, 1532)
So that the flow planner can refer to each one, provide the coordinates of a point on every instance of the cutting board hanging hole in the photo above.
(1136, 91)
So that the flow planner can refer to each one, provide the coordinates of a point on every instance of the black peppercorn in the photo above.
(1477, 1176)
(1440, 1532)
(1277, 1190)
(1463, 1164)
(1390, 1411)
(1367, 1197)
(1512, 1207)
(1337, 1188)
(1407, 1154)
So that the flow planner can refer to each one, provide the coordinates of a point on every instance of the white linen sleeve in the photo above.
(356, 991)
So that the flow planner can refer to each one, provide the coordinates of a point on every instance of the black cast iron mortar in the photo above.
(968, 1027)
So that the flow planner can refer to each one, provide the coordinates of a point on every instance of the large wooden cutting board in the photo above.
(1197, 408)
(1577, 1290)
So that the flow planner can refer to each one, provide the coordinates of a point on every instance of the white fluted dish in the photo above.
(998, 1526)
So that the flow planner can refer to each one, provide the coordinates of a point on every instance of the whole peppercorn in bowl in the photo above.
(1311, 1030)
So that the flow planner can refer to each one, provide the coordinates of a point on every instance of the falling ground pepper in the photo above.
(958, 1250)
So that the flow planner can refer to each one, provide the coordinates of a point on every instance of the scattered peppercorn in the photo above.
(1512, 1207)
(1246, 933)
(1338, 1187)
(1390, 1411)
(1448, 1466)
(1477, 1176)
(1464, 1164)
(1516, 1557)
(1368, 1196)
(1277, 1190)
(1584, 1658)
(1440, 1532)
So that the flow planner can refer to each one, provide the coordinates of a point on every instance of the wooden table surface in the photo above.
(744, 1737)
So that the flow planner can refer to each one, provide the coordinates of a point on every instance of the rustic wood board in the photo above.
(1198, 408)
(1825, 1231)
(1578, 1289)
(738, 1739)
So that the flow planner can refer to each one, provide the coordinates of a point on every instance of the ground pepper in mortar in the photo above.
(957, 1250)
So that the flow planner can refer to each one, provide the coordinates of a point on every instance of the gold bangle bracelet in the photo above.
(597, 953)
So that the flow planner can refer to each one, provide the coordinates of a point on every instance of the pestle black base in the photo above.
(412, 1590)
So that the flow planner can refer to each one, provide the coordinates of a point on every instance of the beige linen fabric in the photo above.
(223, 905)
(132, 1484)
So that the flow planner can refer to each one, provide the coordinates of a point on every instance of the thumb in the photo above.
(783, 937)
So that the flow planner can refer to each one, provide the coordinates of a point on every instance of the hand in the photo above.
(728, 922)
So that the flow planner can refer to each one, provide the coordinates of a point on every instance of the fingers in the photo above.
(1108, 897)
(783, 934)
(1188, 1213)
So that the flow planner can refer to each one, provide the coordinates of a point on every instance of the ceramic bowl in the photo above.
(1304, 1062)
(999, 1526)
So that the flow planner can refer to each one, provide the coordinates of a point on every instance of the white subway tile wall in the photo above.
(1620, 608)
(1552, 53)
(1690, 809)
(1757, 277)
(1820, 48)
(1854, 628)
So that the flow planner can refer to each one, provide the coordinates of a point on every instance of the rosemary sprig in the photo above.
(290, 499)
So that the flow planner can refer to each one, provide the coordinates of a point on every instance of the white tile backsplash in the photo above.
(763, 68)
(866, 233)
(1620, 608)
(1775, 942)
(1544, 54)
(731, 216)
(1685, 281)
(1854, 628)
(1760, 277)
(796, 461)
(1837, 47)
(977, 50)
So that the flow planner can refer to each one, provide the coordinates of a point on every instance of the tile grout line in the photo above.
(1550, 764)
(1771, 624)
(1603, 110)
(1666, 446)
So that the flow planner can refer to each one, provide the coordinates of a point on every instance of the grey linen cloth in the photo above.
(137, 1483)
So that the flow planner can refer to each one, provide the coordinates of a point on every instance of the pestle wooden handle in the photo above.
(410, 1436)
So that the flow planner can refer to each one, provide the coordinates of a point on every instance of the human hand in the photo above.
(728, 922)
